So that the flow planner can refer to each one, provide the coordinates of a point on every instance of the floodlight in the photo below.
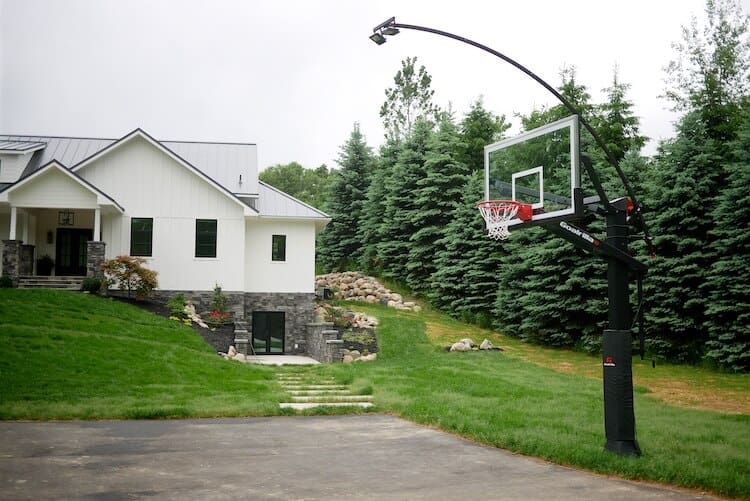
(377, 38)
(390, 30)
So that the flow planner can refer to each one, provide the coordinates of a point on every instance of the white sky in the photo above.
(293, 76)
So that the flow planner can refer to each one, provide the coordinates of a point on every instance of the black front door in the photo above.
(70, 251)
(268, 332)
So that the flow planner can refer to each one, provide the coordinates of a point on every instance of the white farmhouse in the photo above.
(195, 211)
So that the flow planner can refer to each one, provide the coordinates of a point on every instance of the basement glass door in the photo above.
(268, 332)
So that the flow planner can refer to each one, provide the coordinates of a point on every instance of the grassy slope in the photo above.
(510, 403)
(68, 355)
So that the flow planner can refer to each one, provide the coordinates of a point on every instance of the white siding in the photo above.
(296, 274)
(149, 183)
(53, 188)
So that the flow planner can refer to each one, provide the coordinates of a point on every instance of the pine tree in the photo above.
(371, 230)
(399, 209)
(340, 245)
(685, 184)
(710, 83)
(467, 266)
(409, 101)
(727, 286)
(478, 129)
(436, 196)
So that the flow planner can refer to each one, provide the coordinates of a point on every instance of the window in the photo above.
(278, 248)
(205, 238)
(141, 236)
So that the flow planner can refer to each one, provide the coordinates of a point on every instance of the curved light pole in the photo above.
(619, 416)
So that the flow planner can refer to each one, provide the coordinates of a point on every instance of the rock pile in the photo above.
(233, 354)
(193, 315)
(351, 356)
(354, 286)
(325, 312)
(467, 344)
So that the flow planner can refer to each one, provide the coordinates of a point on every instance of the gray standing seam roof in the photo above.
(20, 146)
(207, 157)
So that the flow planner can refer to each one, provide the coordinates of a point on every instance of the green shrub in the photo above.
(177, 304)
(5, 282)
(91, 284)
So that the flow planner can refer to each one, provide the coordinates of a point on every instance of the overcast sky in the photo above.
(294, 76)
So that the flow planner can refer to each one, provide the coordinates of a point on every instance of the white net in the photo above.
(497, 214)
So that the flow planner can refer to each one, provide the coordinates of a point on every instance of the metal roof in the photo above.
(222, 162)
(276, 203)
(20, 146)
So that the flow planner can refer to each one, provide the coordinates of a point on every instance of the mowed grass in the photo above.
(503, 400)
(66, 355)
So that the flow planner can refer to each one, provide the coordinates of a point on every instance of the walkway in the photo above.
(368, 456)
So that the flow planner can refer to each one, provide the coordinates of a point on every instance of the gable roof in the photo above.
(140, 133)
(4, 192)
(274, 203)
(211, 158)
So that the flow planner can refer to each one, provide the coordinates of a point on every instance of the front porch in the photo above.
(51, 225)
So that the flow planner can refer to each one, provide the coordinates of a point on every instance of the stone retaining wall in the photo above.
(323, 343)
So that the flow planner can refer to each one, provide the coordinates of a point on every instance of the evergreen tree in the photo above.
(684, 186)
(436, 196)
(615, 122)
(371, 229)
(398, 217)
(467, 265)
(710, 83)
(478, 129)
(339, 244)
(728, 308)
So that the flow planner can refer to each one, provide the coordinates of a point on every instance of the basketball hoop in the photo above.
(498, 213)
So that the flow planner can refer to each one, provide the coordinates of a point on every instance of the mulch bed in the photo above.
(220, 339)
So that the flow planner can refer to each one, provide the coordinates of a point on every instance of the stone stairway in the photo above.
(308, 391)
(35, 282)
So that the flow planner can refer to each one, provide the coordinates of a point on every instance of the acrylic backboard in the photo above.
(538, 167)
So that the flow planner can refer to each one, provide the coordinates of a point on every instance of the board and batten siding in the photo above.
(53, 188)
(147, 182)
(297, 273)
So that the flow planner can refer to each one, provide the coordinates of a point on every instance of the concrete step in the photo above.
(318, 392)
(300, 406)
(334, 398)
(315, 387)
(61, 282)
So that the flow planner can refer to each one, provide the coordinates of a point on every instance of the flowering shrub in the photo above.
(218, 317)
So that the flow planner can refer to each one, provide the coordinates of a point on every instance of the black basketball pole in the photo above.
(617, 357)
(619, 416)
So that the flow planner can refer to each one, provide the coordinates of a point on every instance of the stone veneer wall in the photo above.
(298, 309)
(323, 343)
(203, 299)
(12, 259)
(95, 258)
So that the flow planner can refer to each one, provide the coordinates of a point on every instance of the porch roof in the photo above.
(101, 197)
(20, 147)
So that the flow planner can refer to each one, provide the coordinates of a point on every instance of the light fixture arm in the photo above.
(638, 208)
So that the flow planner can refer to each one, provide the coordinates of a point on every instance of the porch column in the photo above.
(95, 258)
(13, 219)
(97, 223)
(11, 259)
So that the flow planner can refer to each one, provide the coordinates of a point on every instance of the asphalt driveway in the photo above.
(326, 457)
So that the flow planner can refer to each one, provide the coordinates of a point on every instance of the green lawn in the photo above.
(503, 400)
(68, 355)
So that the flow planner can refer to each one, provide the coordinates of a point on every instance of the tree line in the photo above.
(408, 211)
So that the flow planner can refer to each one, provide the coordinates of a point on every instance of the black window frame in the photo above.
(147, 251)
(206, 237)
(275, 257)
